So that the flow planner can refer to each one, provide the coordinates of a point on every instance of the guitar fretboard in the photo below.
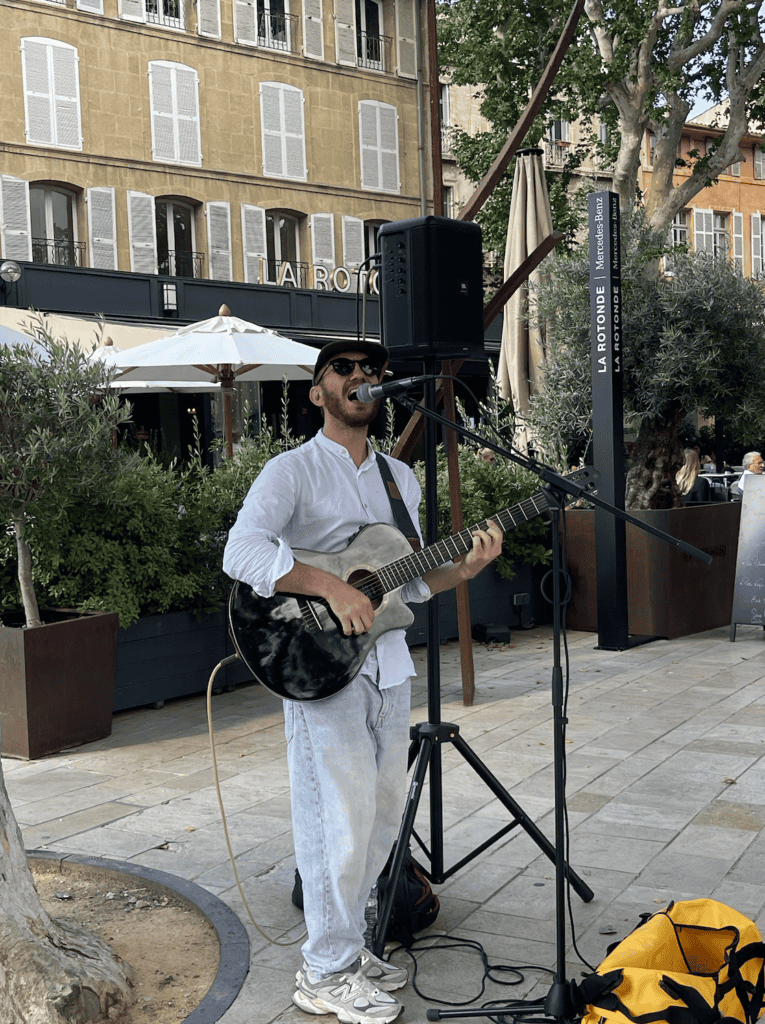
(396, 574)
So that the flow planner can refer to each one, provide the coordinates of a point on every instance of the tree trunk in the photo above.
(51, 972)
(656, 459)
(26, 584)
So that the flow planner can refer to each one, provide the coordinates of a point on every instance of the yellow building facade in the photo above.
(260, 141)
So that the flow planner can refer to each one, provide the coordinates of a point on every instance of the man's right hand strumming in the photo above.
(350, 606)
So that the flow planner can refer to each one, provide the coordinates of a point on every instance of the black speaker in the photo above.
(431, 288)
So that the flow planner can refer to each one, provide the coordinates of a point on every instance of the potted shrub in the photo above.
(692, 340)
(56, 431)
(487, 488)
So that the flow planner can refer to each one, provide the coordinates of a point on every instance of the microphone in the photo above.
(371, 392)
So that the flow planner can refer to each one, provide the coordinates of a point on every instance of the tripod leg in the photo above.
(581, 888)
(402, 842)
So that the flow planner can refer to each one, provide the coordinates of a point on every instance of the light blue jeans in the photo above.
(347, 759)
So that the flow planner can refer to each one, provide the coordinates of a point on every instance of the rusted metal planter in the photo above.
(669, 594)
(57, 682)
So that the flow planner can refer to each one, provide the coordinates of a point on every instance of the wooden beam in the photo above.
(518, 134)
(518, 276)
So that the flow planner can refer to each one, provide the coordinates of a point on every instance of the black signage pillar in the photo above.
(607, 417)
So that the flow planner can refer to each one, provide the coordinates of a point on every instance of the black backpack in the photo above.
(415, 905)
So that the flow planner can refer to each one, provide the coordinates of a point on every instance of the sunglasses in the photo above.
(344, 367)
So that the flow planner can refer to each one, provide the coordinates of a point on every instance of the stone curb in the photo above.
(232, 937)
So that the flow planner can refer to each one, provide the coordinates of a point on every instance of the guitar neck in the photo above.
(397, 573)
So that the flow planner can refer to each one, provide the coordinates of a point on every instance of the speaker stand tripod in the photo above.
(428, 738)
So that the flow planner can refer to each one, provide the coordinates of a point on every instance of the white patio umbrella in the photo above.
(109, 352)
(523, 351)
(10, 337)
(221, 350)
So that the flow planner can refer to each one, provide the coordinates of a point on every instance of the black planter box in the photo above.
(493, 601)
(161, 657)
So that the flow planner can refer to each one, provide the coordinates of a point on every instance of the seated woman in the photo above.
(692, 486)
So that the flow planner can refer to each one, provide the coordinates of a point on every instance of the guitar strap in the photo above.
(400, 512)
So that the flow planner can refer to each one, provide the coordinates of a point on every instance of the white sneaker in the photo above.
(349, 994)
(382, 973)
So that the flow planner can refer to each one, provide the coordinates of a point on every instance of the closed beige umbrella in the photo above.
(523, 351)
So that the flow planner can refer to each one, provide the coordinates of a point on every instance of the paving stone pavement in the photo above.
(665, 797)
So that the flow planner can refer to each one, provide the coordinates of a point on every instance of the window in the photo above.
(378, 133)
(407, 13)
(449, 201)
(273, 24)
(283, 131)
(721, 240)
(759, 163)
(208, 18)
(369, 38)
(167, 13)
(51, 93)
(677, 236)
(558, 131)
(371, 238)
(283, 251)
(54, 227)
(603, 133)
(174, 92)
(142, 233)
(176, 240)
(757, 234)
(219, 240)
(735, 169)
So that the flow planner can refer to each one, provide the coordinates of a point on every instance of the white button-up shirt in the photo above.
(315, 497)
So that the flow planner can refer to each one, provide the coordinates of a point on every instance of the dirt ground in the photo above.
(171, 946)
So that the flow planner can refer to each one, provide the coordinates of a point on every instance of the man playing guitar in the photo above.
(347, 754)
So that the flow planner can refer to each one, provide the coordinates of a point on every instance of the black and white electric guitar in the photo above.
(294, 645)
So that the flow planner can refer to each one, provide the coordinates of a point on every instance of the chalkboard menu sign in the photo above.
(749, 588)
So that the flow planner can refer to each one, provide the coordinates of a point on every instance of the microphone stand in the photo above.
(559, 1002)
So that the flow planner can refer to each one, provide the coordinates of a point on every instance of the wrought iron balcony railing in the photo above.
(58, 251)
(165, 12)
(374, 51)
(278, 31)
(180, 263)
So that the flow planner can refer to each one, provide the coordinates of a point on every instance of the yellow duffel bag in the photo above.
(696, 962)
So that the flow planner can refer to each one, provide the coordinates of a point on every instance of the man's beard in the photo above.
(360, 414)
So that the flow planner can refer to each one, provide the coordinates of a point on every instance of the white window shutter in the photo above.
(406, 46)
(323, 240)
(293, 102)
(219, 241)
(187, 115)
(703, 229)
(313, 29)
(66, 97)
(756, 245)
(38, 91)
(738, 242)
(94, 6)
(353, 242)
(271, 129)
(208, 18)
(133, 10)
(345, 32)
(254, 241)
(102, 228)
(759, 163)
(378, 132)
(245, 22)
(142, 226)
(163, 144)
(282, 131)
(370, 144)
(389, 148)
(15, 223)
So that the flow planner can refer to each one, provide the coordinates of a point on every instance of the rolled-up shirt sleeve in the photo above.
(255, 551)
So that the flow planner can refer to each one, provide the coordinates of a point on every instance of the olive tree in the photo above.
(693, 339)
(55, 438)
